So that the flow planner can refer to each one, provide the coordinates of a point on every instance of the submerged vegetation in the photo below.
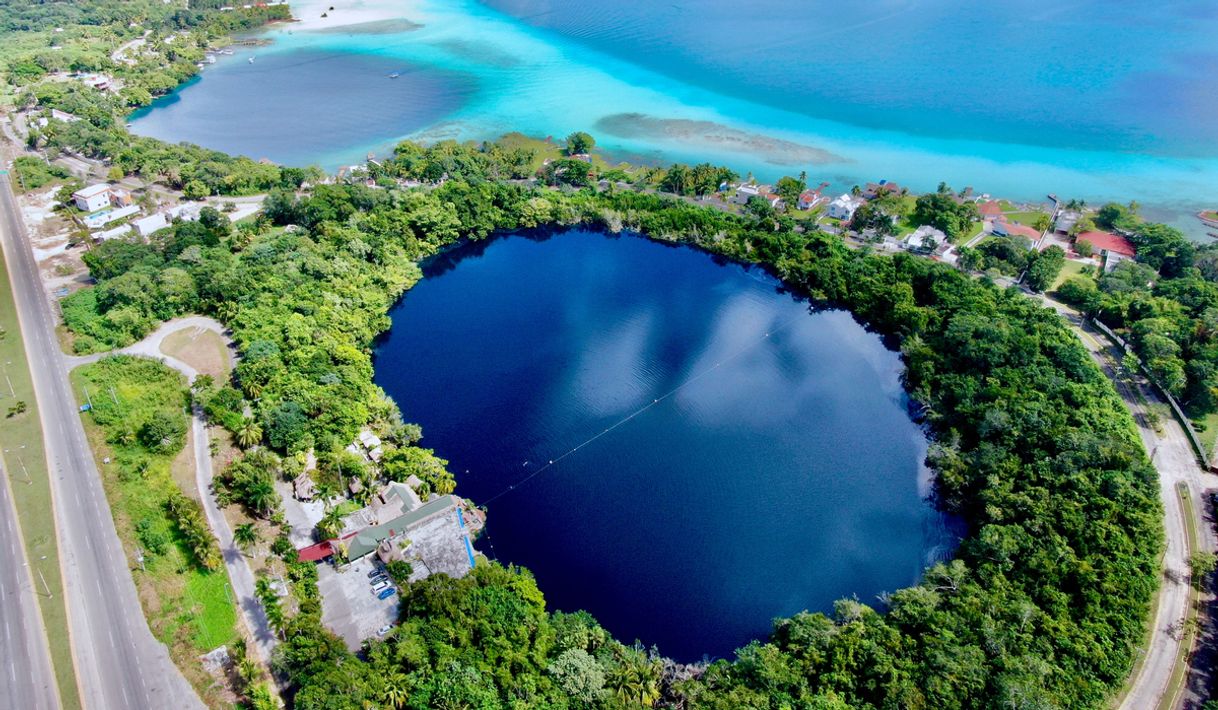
(1042, 607)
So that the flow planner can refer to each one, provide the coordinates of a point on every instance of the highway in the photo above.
(119, 663)
(1173, 457)
(29, 679)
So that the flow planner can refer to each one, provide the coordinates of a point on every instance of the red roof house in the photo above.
(990, 209)
(1108, 242)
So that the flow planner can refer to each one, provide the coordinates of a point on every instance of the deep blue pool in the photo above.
(778, 471)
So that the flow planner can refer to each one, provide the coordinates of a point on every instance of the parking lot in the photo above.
(348, 606)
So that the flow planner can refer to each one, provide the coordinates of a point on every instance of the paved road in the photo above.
(1173, 457)
(29, 679)
(239, 572)
(119, 663)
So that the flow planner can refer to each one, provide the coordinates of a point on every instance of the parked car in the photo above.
(379, 586)
(384, 629)
(387, 593)
(376, 572)
(379, 580)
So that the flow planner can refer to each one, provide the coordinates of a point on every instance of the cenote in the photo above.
(778, 471)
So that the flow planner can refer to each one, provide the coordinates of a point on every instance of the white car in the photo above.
(384, 629)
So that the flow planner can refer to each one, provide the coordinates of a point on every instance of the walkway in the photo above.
(239, 572)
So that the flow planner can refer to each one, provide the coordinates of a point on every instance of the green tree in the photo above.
(245, 535)
(195, 190)
(164, 432)
(580, 142)
(331, 524)
(249, 433)
(579, 675)
(1045, 267)
(789, 189)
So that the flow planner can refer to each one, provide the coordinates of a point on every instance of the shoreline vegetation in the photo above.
(1043, 606)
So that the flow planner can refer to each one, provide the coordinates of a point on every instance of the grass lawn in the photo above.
(1028, 219)
(973, 231)
(188, 608)
(24, 456)
(1069, 270)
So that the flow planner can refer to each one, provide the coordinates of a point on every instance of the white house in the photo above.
(92, 198)
(115, 233)
(745, 192)
(150, 224)
(924, 237)
(843, 206)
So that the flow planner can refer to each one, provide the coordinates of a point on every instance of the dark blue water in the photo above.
(779, 470)
(301, 108)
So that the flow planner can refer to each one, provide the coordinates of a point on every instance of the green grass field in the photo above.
(188, 608)
(1069, 270)
(1027, 219)
(25, 465)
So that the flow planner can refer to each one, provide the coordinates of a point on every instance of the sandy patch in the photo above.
(202, 349)
(376, 17)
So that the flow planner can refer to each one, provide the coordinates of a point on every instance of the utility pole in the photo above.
(45, 588)
(87, 397)
(139, 557)
(112, 395)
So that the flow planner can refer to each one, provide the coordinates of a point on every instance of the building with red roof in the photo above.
(990, 209)
(1111, 248)
(1003, 228)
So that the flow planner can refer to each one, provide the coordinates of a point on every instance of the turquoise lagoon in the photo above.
(1096, 100)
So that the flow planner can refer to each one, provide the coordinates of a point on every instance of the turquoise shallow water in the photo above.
(1095, 100)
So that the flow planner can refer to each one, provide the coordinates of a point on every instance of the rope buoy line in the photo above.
(552, 462)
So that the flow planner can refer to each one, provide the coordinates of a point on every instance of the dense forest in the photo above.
(1043, 606)
(1165, 303)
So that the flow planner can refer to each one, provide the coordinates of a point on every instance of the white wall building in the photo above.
(924, 236)
(843, 206)
(92, 198)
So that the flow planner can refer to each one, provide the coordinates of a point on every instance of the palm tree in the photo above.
(249, 670)
(245, 535)
(261, 496)
(331, 524)
(395, 690)
(275, 617)
(636, 680)
(262, 590)
(249, 433)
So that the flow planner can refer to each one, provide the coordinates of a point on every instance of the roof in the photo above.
(990, 209)
(151, 223)
(1015, 228)
(366, 540)
(1107, 241)
(313, 553)
(100, 188)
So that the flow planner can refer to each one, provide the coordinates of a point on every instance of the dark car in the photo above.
(376, 572)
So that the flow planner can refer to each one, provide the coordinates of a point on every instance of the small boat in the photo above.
(395, 75)
(251, 60)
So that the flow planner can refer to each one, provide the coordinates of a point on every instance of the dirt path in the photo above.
(239, 572)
